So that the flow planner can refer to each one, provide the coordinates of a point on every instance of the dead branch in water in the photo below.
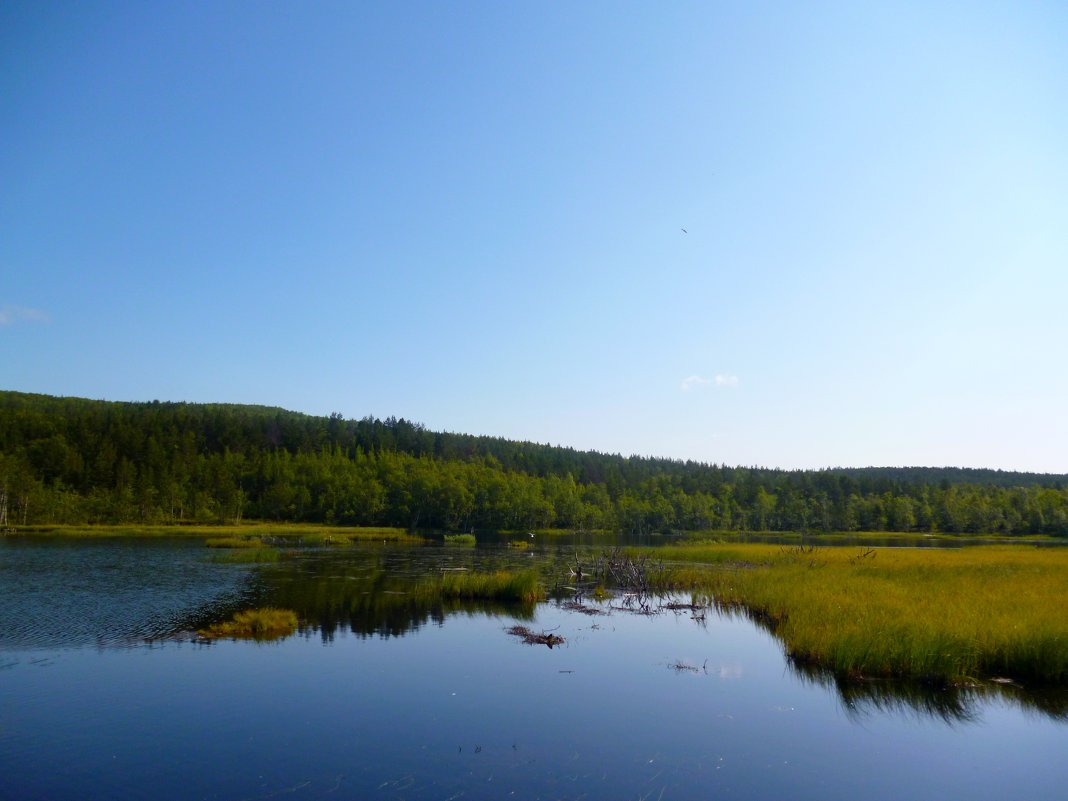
(575, 606)
(621, 569)
(531, 638)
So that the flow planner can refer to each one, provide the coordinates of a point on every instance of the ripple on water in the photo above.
(107, 593)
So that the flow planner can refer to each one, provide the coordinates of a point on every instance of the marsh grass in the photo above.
(550, 532)
(859, 538)
(343, 537)
(934, 615)
(521, 545)
(502, 585)
(460, 539)
(255, 624)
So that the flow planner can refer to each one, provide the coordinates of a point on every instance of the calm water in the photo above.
(378, 696)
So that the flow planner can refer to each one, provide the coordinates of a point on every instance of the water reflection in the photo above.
(375, 592)
(952, 704)
(107, 594)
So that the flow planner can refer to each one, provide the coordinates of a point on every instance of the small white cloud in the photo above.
(9, 315)
(726, 380)
(694, 381)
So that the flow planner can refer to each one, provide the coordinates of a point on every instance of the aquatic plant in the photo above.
(267, 623)
(460, 539)
(931, 614)
(342, 537)
(521, 545)
(501, 585)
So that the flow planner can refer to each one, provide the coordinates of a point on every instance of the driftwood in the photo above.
(531, 638)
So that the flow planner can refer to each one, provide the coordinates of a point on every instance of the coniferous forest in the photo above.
(71, 460)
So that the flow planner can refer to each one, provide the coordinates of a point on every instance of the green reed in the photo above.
(233, 542)
(502, 585)
(460, 539)
(939, 615)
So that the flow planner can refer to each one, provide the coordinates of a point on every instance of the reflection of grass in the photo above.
(256, 624)
(247, 555)
(934, 614)
(233, 542)
(460, 539)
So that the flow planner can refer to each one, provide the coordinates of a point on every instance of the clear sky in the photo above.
(781, 234)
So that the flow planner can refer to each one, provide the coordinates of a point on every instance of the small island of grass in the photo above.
(254, 624)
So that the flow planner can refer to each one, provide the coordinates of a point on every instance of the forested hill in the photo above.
(954, 475)
(77, 460)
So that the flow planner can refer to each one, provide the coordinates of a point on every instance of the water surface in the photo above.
(379, 696)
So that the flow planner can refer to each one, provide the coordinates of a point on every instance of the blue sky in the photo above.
(472, 214)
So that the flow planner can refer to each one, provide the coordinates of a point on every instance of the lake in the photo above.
(104, 693)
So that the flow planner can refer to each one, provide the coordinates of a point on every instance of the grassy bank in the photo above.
(918, 538)
(940, 615)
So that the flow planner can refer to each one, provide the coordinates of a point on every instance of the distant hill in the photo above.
(78, 460)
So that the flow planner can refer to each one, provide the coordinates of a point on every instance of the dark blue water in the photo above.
(450, 706)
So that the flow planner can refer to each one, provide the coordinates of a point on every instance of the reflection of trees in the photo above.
(953, 704)
(364, 597)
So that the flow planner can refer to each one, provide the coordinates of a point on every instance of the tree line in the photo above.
(71, 460)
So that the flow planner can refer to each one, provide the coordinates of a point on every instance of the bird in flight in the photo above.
(684, 230)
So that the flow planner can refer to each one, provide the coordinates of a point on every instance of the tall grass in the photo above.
(233, 542)
(502, 585)
(460, 539)
(939, 615)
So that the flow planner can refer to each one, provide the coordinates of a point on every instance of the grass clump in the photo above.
(341, 537)
(460, 539)
(920, 613)
(255, 624)
(502, 585)
(380, 533)
(520, 545)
